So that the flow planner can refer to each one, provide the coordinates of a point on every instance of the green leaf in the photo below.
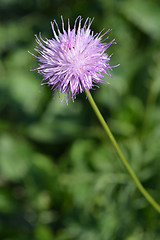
(144, 14)
(15, 157)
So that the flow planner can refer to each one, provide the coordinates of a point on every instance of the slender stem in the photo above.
(125, 163)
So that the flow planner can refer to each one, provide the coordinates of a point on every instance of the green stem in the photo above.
(125, 163)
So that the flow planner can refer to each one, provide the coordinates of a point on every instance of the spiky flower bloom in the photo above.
(74, 60)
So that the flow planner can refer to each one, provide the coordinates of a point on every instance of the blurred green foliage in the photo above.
(59, 176)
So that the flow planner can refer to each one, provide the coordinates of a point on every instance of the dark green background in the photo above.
(59, 175)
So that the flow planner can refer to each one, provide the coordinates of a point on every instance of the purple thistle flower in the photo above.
(74, 60)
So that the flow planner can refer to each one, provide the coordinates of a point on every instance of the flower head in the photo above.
(74, 60)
